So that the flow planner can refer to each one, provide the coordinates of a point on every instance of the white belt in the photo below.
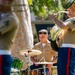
(68, 45)
(5, 52)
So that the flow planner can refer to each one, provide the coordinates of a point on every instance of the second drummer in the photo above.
(47, 55)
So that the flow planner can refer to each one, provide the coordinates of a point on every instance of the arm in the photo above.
(32, 58)
(8, 24)
(5, 26)
(54, 60)
(59, 23)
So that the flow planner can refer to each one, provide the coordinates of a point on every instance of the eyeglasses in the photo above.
(42, 32)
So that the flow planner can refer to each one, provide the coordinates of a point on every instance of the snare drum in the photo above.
(54, 70)
(25, 72)
(35, 72)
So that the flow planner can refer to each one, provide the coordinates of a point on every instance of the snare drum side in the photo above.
(54, 70)
(36, 72)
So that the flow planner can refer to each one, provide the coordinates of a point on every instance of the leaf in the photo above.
(43, 7)
(30, 2)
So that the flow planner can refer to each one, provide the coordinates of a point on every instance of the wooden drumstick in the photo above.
(41, 59)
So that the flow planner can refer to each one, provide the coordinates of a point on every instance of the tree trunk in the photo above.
(24, 38)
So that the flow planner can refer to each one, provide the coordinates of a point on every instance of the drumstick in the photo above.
(41, 59)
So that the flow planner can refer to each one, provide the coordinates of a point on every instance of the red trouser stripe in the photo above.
(68, 62)
(48, 72)
(0, 65)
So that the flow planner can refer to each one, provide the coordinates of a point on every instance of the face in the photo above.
(43, 37)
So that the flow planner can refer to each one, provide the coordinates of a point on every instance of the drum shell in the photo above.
(54, 70)
(33, 72)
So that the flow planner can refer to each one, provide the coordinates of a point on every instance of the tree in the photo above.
(24, 38)
(44, 7)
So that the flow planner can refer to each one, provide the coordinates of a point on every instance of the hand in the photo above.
(50, 16)
(53, 15)
(26, 54)
(36, 64)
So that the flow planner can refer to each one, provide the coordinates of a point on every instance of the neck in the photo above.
(44, 42)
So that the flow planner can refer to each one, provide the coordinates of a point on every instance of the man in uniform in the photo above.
(66, 52)
(47, 55)
(9, 24)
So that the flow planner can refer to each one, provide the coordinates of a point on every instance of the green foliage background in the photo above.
(44, 7)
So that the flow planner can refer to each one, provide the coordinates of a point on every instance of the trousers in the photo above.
(66, 61)
(5, 64)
